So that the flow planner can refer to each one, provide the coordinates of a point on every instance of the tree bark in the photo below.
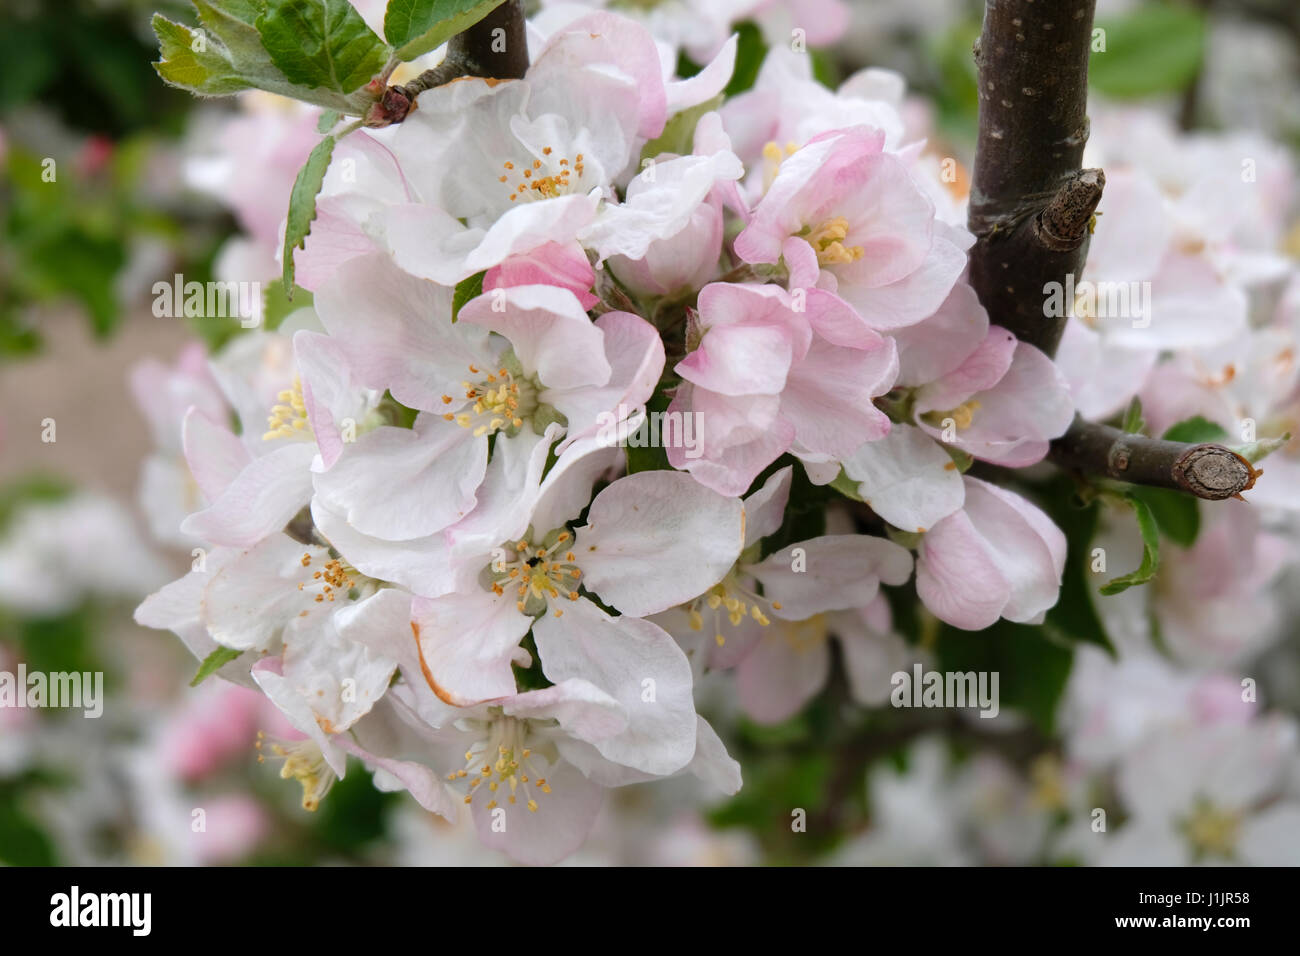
(1031, 210)
(1206, 470)
(1031, 204)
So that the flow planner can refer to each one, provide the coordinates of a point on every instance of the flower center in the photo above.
(961, 416)
(803, 636)
(1048, 783)
(333, 577)
(773, 157)
(1212, 831)
(498, 402)
(539, 574)
(556, 176)
(304, 762)
(828, 241)
(501, 764)
(731, 600)
(289, 418)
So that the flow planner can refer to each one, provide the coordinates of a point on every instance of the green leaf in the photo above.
(1133, 421)
(1150, 551)
(414, 27)
(679, 132)
(846, 486)
(466, 289)
(750, 53)
(1257, 451)
(277, 305)
(1074, 617)
(321, 43)
(302, 203)
(213, 663)
(328, 120)
(1176, 513)
(1156, 49)
(206, 72)
(1195, 430)
(231, 57)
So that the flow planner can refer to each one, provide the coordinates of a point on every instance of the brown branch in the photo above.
(496, 47)
(1031, 204)
(1031, 212)
(1208, 471)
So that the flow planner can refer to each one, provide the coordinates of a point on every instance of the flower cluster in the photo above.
(426, 522)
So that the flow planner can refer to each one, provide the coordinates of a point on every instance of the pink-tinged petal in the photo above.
(1133, 229)
(1191, 306)
(430, 244)
(751, 305)
(560, 825)
(247, 603)
(636, 359)
(906, 478)
(549, 331)
(558, 264)
(981, 370)
(328, 392)
(659, 204)
(830, 573)
(525, 228)
(214, 453)
(605, 43)
(705, 85)
(831, 177)
(912, 298)
(656, 539)
(260, 501)
(467, 643)
(765, 508)
(639, 665)
(801, 262)
(686, 260)
(938, 345)
(335, 238)
(580, 707)
(838, 322)
(1023, 543)
(1018, 416)
(957, 578)
(873, 653)
(741, 438)
(398, 334)
(785, 670)
(828, 396)
(740, 360)
(419, 781)
(890, 219)
(1102, 379)
(402, 483)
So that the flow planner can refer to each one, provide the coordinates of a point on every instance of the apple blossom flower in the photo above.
(767, 374)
